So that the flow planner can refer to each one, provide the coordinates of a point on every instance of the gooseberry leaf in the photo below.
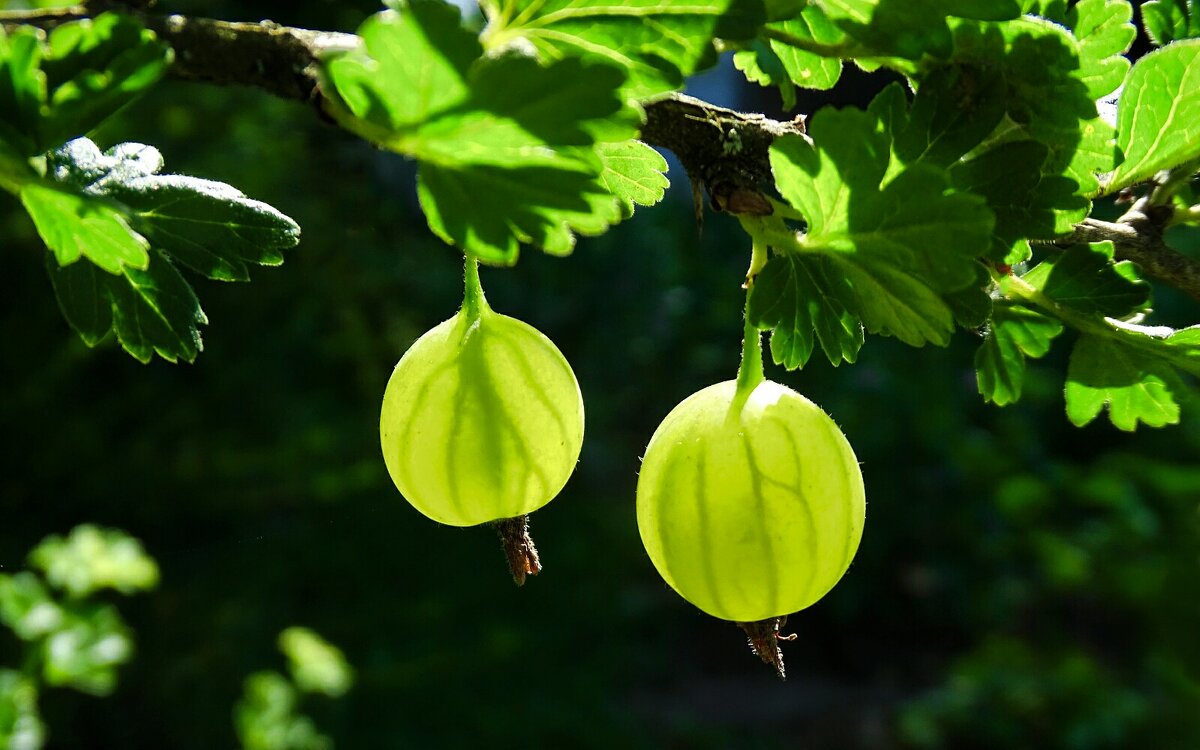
(93, 68)
(911, 30)
(449, 106)
(632, 172)
(1014, 333)
(26, 607)
(267, 711)
(152, 311)
(657, 43)
(210, 227)
(90, 559)
(413, 66)
(22, 89)
(769, 62)
(796, 295)
(1084, 278)
(316, 665)
(20, 724)
(1026, 201)
(86, 650)
(503, 122)
(1158, 115)
(903, 243)
(490, 210)
(75, 226)
(115, 210)
(1133, 385)
(1105, 33)
(1169, 20)
(65, 83)
(1033, 66)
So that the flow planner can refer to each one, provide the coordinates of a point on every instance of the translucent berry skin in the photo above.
(750, 507)
(482, 419)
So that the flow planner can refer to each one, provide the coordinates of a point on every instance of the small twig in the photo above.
(1138, 236)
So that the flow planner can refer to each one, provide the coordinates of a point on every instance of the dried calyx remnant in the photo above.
(518, 548)
(764, 640)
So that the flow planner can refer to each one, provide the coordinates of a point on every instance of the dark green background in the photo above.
(1021, 583)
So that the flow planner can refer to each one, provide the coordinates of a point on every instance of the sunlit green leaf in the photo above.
(634, 173)
(489, 210)
(85, 652)
(797, 295)
(93, 68)
(1134, 386)
(657, 42)
(914, 28)
(64, 84)
(316, 665)
(266, 717)
(74, 226)
(1158, 116)
(91, 558)
(770, 62)
(1169, 20)
(901, 244)
(21, 727)
(508, 145)
(1015, 333)
(27, 607)
(1105, 33)
(209, 226)
(1084, 278)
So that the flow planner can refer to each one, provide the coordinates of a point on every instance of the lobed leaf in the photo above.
(27, 608)
(511, 149)
(796, 295)
(1105, 34)
(769, 62)
(1036, 64)
(152, 311)
(116, 210)
(489, 210)
(20, 725)
(1158, 115)
(903, 243)
(1026, 201)
(86, 650)
(75, 226)
(658, 43)
(1014, 334)
(1169, 20)
(1084, 278)
(64, 84)
(632, 172)
(90, 559)
(1134, 386)
(911, 29)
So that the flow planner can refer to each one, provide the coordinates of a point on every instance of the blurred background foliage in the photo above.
(1021, 583)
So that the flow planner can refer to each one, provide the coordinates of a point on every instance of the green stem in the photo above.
(474, 303)
(750, 372)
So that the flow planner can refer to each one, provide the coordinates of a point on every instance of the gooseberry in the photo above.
(750, 501)
(482, 421)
